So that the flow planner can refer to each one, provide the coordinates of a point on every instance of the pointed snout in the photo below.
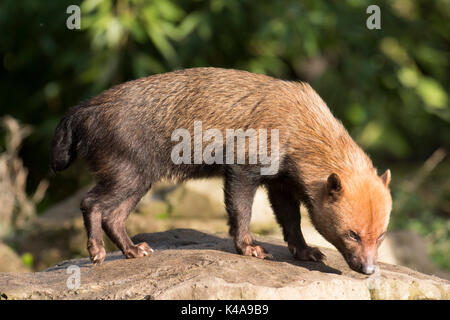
(368, 268)
(365, 264)
(368, 264)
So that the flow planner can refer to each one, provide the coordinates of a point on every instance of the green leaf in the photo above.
(432, 93)
(27, 259)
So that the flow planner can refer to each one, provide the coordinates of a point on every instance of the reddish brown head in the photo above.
(353, 214)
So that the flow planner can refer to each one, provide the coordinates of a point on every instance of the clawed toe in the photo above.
(97, 252)
(140, 250)
(256, 251)
(144, 249)
(308, 254)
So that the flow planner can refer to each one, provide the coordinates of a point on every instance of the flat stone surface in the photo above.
(189, 264)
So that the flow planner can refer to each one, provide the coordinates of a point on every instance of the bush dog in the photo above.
(125, 134)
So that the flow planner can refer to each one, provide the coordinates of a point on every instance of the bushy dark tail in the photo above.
(63, 150)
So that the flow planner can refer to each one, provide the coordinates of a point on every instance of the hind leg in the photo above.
(92, 216)
(107, 206)
(113, 223)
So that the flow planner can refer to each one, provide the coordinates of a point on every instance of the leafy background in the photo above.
(388, 86)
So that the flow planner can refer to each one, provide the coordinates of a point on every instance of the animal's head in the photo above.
(353, 214)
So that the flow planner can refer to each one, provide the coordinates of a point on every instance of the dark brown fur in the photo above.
(124, 134)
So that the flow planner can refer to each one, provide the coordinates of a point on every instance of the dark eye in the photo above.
(352, 235)
(380, 238)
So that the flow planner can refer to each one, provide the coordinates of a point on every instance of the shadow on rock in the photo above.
(188, 239)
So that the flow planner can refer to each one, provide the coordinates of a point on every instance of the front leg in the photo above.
(286, 206)
(239, 188)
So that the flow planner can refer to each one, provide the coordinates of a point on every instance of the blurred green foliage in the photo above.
(27, 259)
(388, 86)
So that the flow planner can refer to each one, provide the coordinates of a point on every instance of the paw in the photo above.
(97, 252)
(140, 250)
(307, 254)
(255, 251)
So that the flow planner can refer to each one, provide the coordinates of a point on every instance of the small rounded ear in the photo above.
(386, 177)
(334, 185)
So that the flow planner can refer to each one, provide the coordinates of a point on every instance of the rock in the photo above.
(10, 261)
(201, 198)
(204, 199)
(188, 264)
(410, 249)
